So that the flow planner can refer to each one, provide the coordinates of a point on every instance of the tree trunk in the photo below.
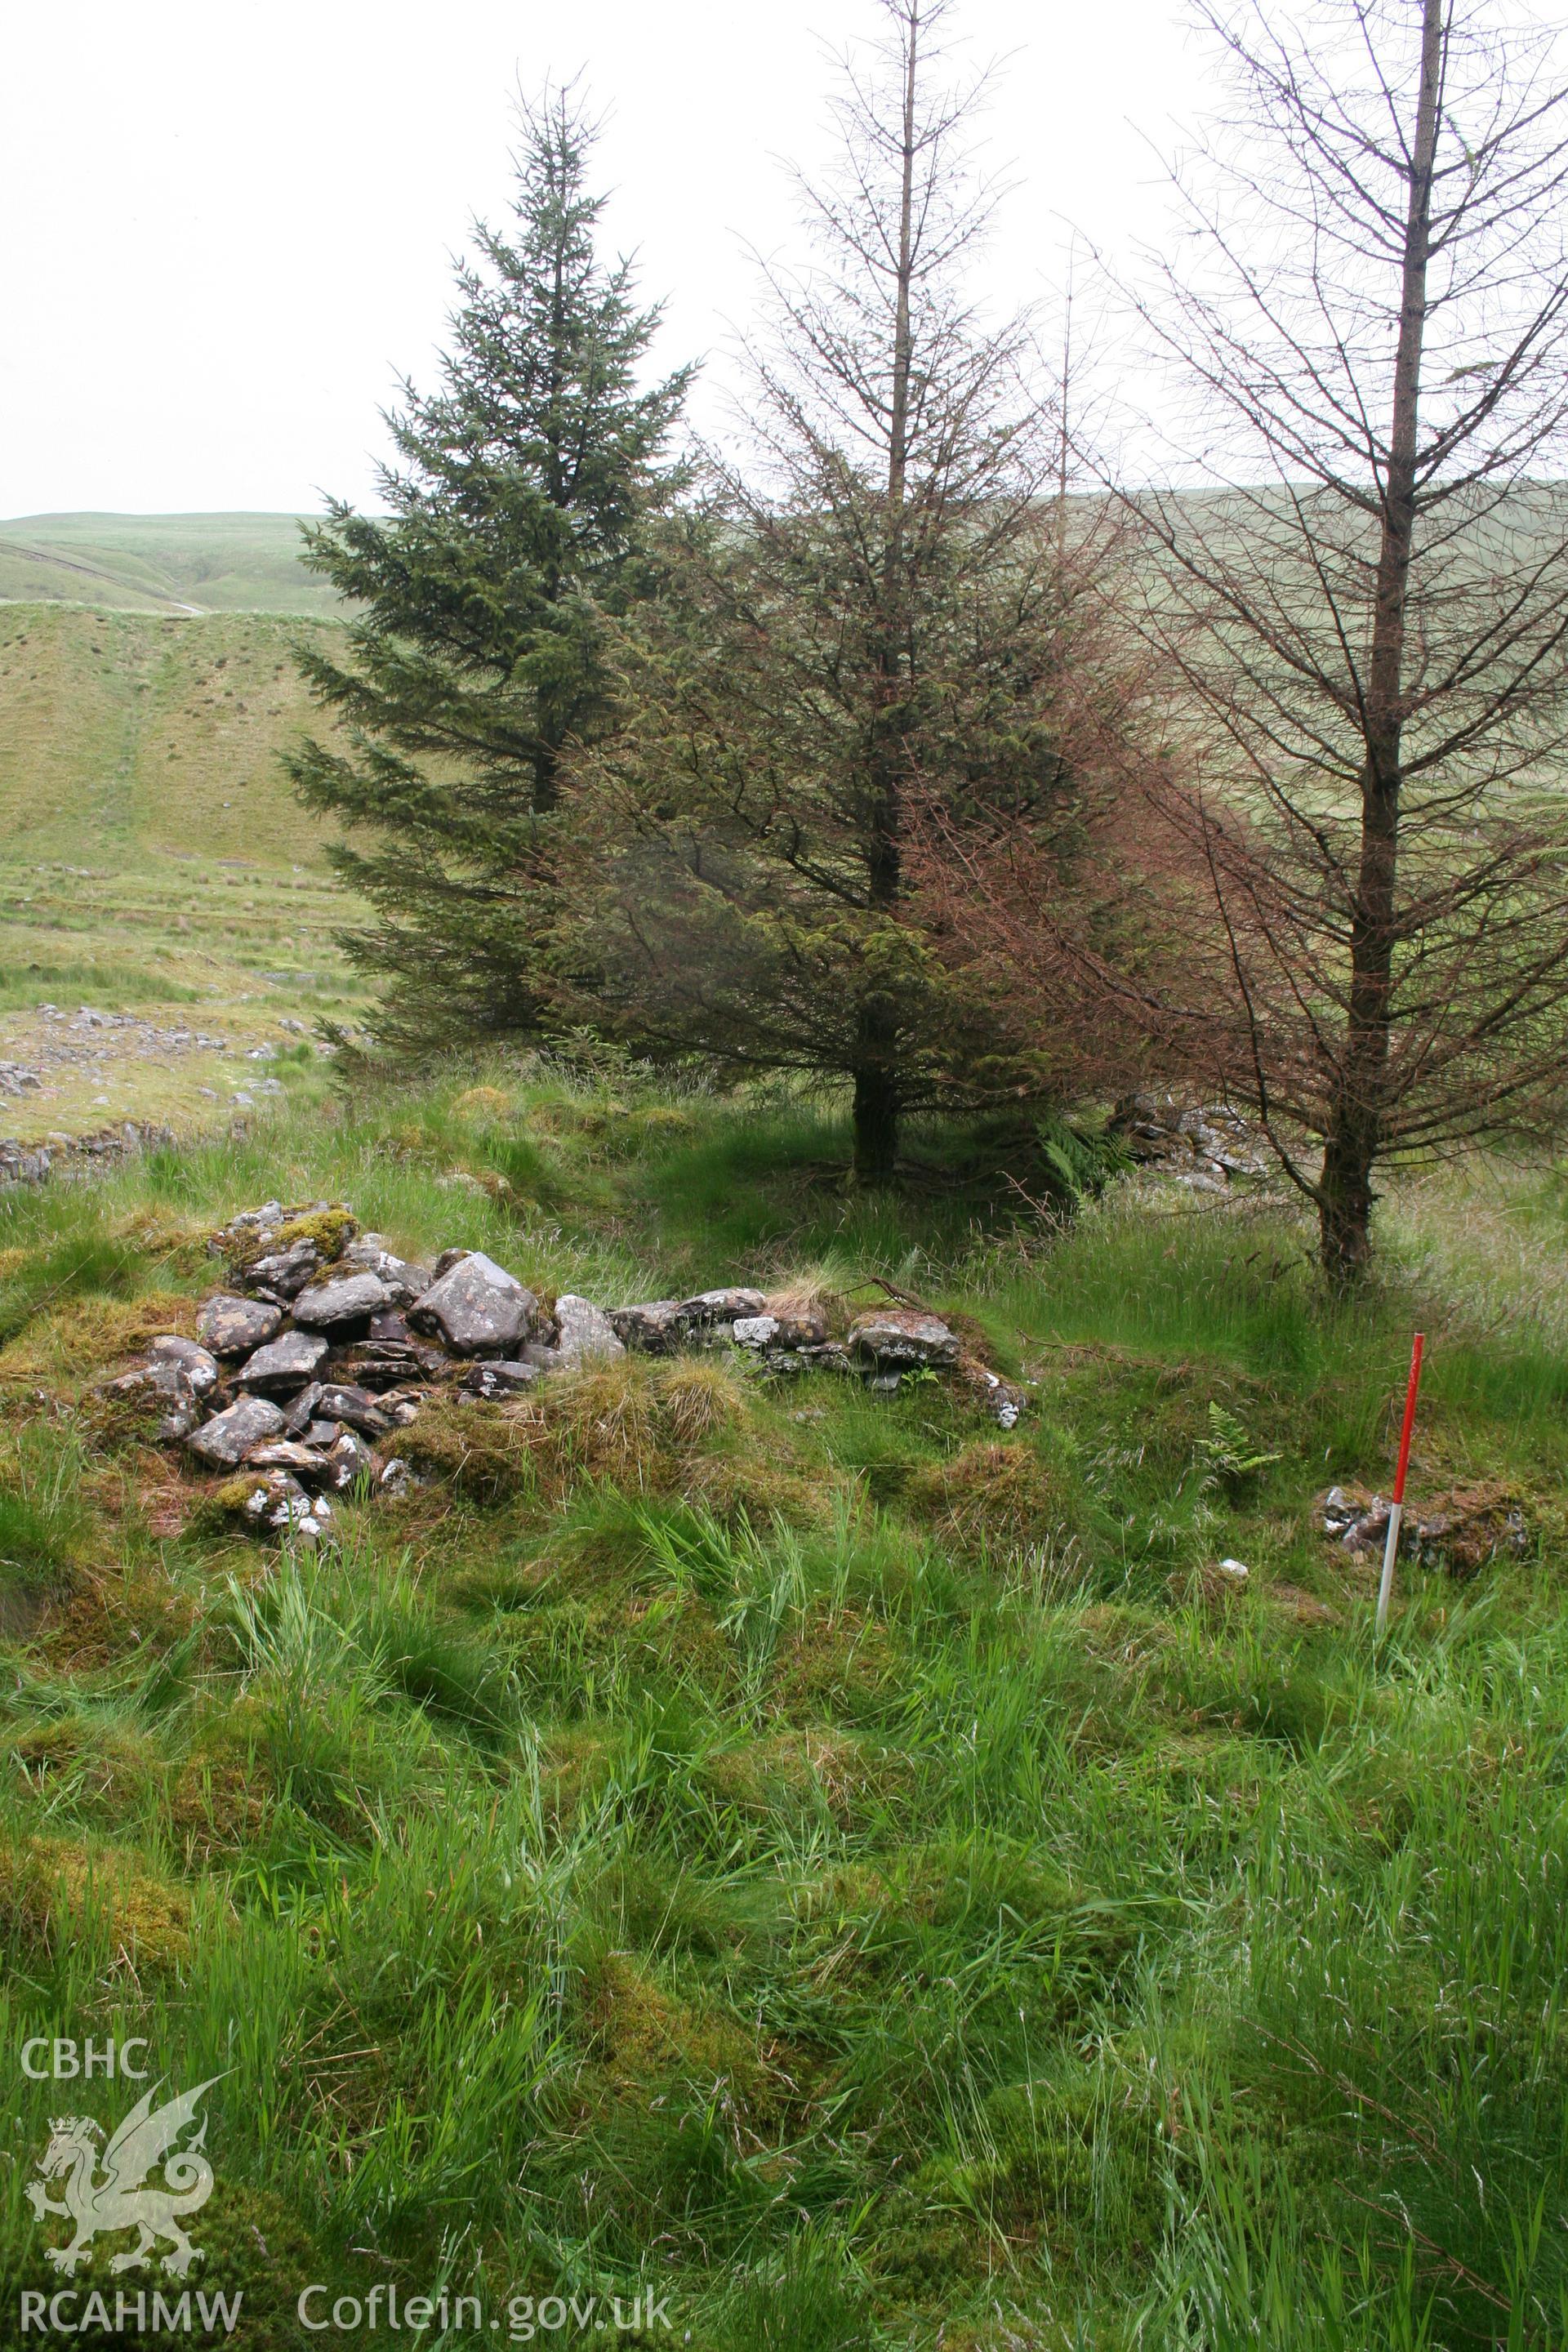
(875, 1112)
(546, 778)
(1344, 1208)
(877, 1087)
(1354, 1136)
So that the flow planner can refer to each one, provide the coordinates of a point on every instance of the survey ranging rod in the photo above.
(1385, 1587)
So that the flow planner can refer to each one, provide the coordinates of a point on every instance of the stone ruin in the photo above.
(325, 1344)
(1204, 1146)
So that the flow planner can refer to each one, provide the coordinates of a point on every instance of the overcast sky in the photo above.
(230, 227)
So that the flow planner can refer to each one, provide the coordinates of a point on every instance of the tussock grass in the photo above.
(853, 1871)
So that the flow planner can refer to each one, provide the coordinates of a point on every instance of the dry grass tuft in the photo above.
(996, 1497)
(635, 1424)
(221, 1795)
(801, 1299)
(644, 2035)
(89, 1336)
(113, 1614)
(737, 1488)
(483, 1103)
(107, 1767)
(603, 1422)
(623, 1424)
(697, 1400)
(788, 1769)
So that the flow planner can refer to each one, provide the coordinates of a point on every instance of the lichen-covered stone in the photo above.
(710, 1307)
(651, 1330)
(265, 1219)
(326, 1223)
(903, 1336)
(160, 1381)
(801, 1326)
(246, 1232)
(349, 1459)
(303, 1461)
(403, 1280)
(336, 1400)
(227, 1437)
(303, 1408)
(275, 1499)
(479, 1308)
(498, 1377)
(285, 1363)
(334, 1306)
(234, 1326)
(1460, 1529)
(284, 1273)
(583, 1331)
(199, 1365)
(388, 1364)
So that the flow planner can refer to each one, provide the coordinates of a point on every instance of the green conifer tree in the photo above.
(475, 655)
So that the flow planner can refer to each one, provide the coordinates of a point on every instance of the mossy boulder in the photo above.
(329, 1231)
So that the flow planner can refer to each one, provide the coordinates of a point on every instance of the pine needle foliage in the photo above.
(514, 511)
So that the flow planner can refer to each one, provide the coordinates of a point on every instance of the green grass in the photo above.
(152, 857)
(803, 1850)
(135, 739)
(207, 563)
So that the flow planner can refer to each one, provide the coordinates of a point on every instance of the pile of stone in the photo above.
(1205, 1147)
(80, 1155)
(88, 1019)
(325, 1344)
(880, 1348)
(1460, 1531)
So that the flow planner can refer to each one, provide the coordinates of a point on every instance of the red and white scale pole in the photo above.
(1386, 1588)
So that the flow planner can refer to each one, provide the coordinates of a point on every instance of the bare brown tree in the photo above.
(1359, 576)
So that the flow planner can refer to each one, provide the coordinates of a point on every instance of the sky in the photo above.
(230, 228)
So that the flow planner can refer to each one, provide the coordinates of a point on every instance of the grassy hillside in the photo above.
(152, 857)
(860, 1875)
(126, 737)
(192, 563)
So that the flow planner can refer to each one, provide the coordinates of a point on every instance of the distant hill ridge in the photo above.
(180, 563)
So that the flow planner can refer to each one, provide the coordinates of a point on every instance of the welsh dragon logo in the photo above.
(116, 2197)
